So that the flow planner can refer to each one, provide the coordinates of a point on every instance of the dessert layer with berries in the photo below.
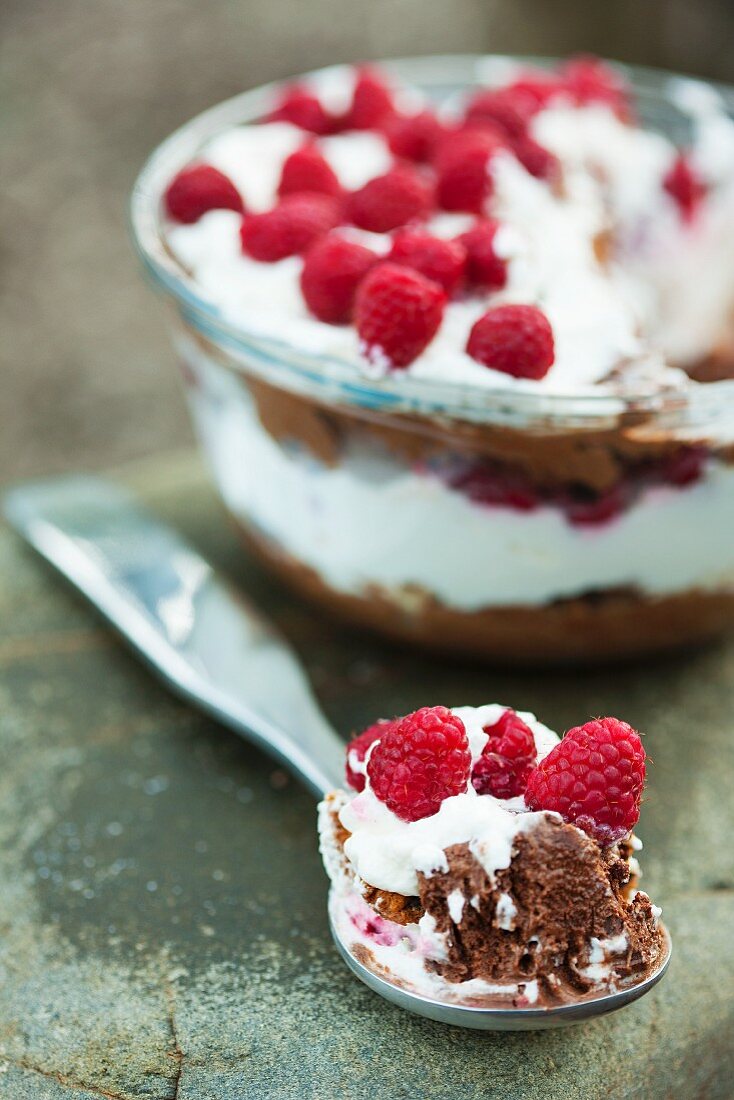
(478, 858)
(529, 246)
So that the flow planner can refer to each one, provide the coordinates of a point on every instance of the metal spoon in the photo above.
(213, 648)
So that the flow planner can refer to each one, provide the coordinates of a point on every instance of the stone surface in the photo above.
(162, 905)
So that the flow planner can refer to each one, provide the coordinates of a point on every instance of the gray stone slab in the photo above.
(162, 914)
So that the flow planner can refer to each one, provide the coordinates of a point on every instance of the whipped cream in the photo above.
(612, 179)
(358, 524)
(388, 853)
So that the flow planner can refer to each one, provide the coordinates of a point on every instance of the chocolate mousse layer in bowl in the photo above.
(476, 859)
(458, 342)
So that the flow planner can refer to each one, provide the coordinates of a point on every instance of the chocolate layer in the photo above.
(565, 891)
(618, 624)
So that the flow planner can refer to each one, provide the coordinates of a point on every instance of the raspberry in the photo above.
(197, 189)
(507, 759)
(589, 80)
(485, 270)
(302, 108)
(462, 163)
(397, 314)
(534, 89)
(333, 269)
(503, 107)
(685, 187)
(389, 201)
(536, 159)
(593, 779)
(413, 137)
(308, 170)
(685, 466)
(424, 759)
(437, 259)
(289, 228)
(505, 488)
(372, 101)
(514, 339)
(358, 747)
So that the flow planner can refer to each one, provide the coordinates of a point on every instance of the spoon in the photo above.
(212, 647)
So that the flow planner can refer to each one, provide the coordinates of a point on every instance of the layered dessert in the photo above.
(465, 364)
(476, 859)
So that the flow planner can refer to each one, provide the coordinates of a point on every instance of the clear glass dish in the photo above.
(240, 381)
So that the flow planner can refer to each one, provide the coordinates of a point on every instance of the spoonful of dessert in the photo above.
(482, 870)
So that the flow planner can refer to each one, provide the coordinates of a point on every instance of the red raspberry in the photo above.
(507, 759)
(589, 80)
(685, 187)
(414, 137)
(462, 163)
(514, 339)
(397, 313)
(437, 259)
(301, 107)
(685, 466)
(534, 89)
(389, 201)
(424, 759)
(372, 101)
(593, 779)
(333, 269)
(197, 189)
(359, 746)
(308, 170)
(289, 228)
(536, 159)
(506, 488)
(485, 270)
(503, 107)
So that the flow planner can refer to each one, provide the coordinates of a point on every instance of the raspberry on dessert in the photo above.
(332, 270)
(421, 761)
(514, 339)
(534, 88)
(358, 747)
(685, 187)
(441, 260)
(289, 228)
(372, 101)
(503, 107)
(302, 108)
(536, 159)
(413, 137)
(485, 485)
(507, 759)
(462, 164)
(389, 201)
(485, 270)
(685, 466)
(590, 80)
(397, 313)
(197, 189)
(593, 779)
(307, 169)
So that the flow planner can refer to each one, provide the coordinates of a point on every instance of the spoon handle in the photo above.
(203, 638)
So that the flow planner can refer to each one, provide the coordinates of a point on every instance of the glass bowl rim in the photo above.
(330, 378)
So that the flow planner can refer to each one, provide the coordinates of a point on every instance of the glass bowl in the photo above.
(452, 516)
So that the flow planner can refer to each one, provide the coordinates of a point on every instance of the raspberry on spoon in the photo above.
(593, 779)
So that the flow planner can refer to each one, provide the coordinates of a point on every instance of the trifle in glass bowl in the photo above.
(457, 336)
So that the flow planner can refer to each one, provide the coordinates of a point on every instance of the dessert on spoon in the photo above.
(479, 860)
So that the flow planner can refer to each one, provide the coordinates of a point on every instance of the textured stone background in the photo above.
(162, 922)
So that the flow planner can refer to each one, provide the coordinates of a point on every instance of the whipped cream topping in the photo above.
(612, 180)
(388, 853)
